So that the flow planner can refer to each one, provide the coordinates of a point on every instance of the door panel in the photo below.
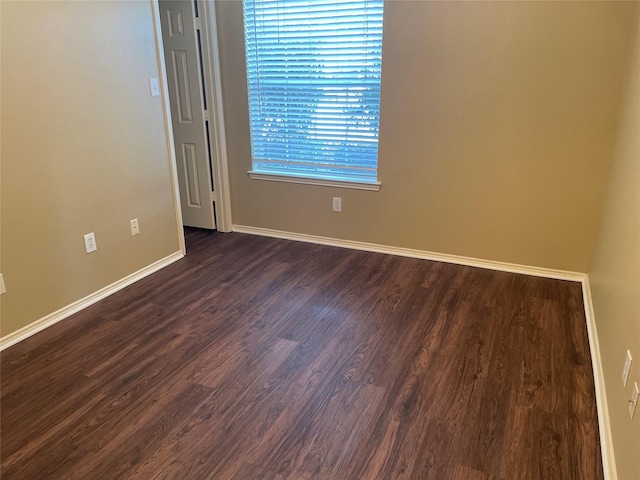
(184, 79)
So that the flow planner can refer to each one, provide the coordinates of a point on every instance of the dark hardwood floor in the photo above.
(257, 358)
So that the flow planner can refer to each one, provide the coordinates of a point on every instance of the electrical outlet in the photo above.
(90, 242)
(337, 204)
(135, 229)
(634, 400)
(626, 368)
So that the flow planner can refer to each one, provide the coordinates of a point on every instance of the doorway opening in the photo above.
(192, 75)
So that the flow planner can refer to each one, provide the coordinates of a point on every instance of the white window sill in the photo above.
(373, 186)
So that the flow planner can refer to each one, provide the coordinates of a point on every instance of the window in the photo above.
(313, 74)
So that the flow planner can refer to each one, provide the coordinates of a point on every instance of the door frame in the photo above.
(168, 125)
(213, 87)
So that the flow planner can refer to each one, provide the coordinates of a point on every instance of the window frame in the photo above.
(316, 179)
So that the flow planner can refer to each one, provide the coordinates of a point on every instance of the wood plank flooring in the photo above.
(258, 358)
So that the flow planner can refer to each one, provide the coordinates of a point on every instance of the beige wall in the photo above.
(615, 276)
(83, 150)
(497, 126)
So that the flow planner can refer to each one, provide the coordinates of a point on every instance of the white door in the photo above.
(186, 96)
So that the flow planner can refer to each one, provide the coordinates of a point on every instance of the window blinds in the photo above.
(313, 72)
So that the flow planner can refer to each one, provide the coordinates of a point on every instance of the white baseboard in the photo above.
(422, 254)
(55, 317)
(606, 442)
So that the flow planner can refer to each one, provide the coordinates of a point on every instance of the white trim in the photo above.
(213, 86)
(604, 425)
(55, 317)
(408, 252)
(173, 169)
(373, 186)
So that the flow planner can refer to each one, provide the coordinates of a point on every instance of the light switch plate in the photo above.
(154, 86)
